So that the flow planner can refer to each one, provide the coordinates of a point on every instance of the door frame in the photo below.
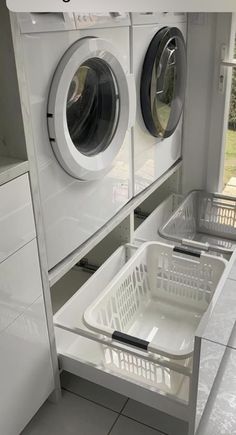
(218, 125)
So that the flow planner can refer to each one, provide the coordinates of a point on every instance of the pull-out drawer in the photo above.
(158, 382)
(120, 371)
(168, 385)
(16, 216)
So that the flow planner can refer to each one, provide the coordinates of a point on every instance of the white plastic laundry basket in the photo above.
(159, 376)
(157, 300)
(204, 221)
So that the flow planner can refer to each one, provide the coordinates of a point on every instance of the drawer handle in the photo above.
(129, 339)
(187, 252)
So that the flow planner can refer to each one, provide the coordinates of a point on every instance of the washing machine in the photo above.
(158, 62)
(81, 99)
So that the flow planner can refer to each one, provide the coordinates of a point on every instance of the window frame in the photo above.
(220, 101)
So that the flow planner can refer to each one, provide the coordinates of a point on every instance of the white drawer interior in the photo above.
(148, 230)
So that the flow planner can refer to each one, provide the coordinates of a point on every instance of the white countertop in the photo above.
(11, 168)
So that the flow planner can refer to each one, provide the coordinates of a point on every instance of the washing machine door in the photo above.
(89, 109)
(163, 82)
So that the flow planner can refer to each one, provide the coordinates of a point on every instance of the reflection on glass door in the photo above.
(230, 146)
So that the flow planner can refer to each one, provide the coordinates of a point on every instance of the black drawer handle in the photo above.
(187, 252)
(129, 339)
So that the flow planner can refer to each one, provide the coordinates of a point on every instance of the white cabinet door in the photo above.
(16, 216)
(20, 283)
(26, 376)
(26, 373)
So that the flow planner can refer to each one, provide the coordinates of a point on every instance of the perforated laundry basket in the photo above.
(205, 221)
(157, 299)
(164, 378)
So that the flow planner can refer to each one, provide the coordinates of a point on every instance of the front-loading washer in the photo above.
(81, 99)
(158, 62)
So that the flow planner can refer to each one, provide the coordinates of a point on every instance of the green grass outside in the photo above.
(230, 156)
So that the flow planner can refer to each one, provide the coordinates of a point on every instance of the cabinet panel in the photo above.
(16, 216)
(26, 375)
(20, 283)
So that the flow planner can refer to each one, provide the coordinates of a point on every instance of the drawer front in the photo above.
(26, 375)
(20, 283)
(16, 216)
(95, 362)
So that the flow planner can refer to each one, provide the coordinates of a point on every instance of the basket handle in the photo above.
(194, 244)
(187, 252)
(130, 339)
(226, 197)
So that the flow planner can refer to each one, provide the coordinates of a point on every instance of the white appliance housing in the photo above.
(156, 148)
(82, 106)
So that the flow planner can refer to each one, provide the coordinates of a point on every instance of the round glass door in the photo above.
(163, 82)
(92, 107)
(86, 125)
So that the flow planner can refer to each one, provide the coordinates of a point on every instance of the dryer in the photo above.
(81, 99)
(158, 62)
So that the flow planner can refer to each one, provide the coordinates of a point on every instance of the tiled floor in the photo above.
(87, 409)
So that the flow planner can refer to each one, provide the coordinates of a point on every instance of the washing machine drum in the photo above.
(86, 124)
(163, 82)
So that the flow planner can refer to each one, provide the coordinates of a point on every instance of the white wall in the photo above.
(12, 139)
(200, 55)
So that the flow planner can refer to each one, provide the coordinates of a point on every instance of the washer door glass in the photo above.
(92, 107)
(163, 82)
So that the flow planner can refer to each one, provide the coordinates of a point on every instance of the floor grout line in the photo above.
(89, 400)
(113, 425)
(123, 407)
(147, 425)
(119, 413)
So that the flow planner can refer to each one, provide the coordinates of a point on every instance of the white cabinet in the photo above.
(26, 374)
(25, 369)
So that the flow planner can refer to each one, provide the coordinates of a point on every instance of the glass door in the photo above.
(229, 177)
(86, 124)
(163, 82)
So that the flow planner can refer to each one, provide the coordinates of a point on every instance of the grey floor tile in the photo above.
(93, 392)
(72, 415)
(125, 426)
(155, 419)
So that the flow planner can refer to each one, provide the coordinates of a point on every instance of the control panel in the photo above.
(32, 22)
(98, 20)
(59, 21)
(158, 17)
